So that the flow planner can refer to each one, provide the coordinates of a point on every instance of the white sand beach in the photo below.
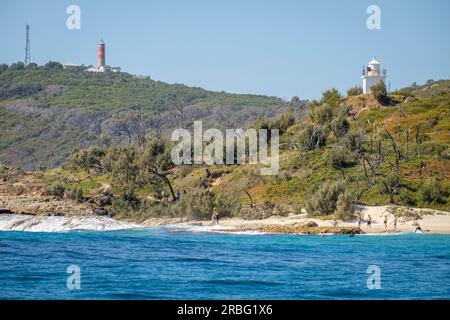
(431, 221)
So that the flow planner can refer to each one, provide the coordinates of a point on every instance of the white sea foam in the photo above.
(18, 222)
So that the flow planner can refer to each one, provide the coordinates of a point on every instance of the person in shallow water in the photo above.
(418, 229)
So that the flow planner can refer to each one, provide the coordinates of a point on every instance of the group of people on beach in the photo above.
(369, 221)
(385, 222)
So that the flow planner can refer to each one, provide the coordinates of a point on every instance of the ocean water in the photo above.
(176, 263)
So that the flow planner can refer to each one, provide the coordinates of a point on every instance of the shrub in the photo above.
(228, 205)
(283, 122)
(390, 185)
(77, 194)
(354, 141)
(339, 159)
(433, 192)
(354, 91)
(56, 189)
(313, 137)
(322, 114)
(86, 159)
(131, 199)
(324, 201)
(344, 206)
(407, 197)
(331, 97)
(201, 205)
(340, 125)
(379, 92)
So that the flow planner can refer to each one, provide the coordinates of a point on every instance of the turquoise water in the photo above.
(165, 263)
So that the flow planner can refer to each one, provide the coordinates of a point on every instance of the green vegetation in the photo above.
(333, 154)
(42, 106)
(354, 91)
(379, 92)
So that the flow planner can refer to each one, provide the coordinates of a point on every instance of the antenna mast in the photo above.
(27, 47)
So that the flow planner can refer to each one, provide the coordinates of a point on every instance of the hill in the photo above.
(47, 111)
(343, 151)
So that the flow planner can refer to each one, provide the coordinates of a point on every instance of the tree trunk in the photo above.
(250, 197)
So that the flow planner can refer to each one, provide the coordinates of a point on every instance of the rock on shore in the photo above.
(312, 230)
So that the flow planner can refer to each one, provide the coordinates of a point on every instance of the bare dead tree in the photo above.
(294, 144)
(417, 140)
(408, 132)
(180, 115)
(164, 177)
(397, 152)
(250, 197)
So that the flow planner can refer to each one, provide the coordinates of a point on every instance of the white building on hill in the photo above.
(371, 75)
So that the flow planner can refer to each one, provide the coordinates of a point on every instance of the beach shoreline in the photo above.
(34, 213)
(432, 222)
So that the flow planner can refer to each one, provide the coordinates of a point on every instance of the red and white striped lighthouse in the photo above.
(101, 53)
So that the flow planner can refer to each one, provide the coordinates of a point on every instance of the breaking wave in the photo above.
(20, 222)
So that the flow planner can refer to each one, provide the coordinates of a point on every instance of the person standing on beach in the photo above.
(395, 222)
(334, 223)
(359, 220)
(369, 221)
(215, 218)
(385, 221)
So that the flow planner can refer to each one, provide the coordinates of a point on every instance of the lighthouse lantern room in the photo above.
(371, 75)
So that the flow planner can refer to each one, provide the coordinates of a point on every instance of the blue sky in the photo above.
(281, 48)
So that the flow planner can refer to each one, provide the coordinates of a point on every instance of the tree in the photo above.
(87, 159)
(17, 66)
(295, 102)
(122, 163)
(324, 201)
(338, 159)
(354, 91)
(379, 92)
(156, 162)
(53, 65)
(331, 97)
(322, 114)
(283, 122)
(344, 206)
(433, 192)
(390, 185)
(340, 125)
(313, 137)
(131, 124)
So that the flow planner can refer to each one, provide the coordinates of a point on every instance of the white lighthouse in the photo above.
(371, 75)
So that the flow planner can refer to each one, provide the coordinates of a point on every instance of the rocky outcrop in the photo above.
(45, 206)
(312, 230)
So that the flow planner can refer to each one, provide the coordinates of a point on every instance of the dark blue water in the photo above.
(168, 264)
